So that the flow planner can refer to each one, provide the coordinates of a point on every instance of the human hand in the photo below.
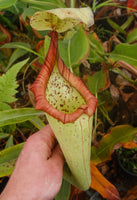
(38, 171)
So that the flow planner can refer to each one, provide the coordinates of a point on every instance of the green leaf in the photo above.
(8, 83)
(16, 54)
(8, 158)
(14, 116)
(28, 12)
(118, 134)
(64, 192)
(46, 45)
(125, 52)
(9, 142)
(132, 36)
(105, 3)
(116, 26)
(44, 4)
(6, 3)
(20, 45)
(15, 45)
(127, 22)
(4, 135)
(74, 50)
(96, 51)
(4, 106)
(17, 8)
(37, 122)
(96, 82)
(44, 49)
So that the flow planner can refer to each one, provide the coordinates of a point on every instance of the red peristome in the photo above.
(39, 86)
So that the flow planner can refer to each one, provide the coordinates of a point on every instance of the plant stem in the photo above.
(93, 5)
(95, 121)
(105, 114)
(101, 54)
(72, 3)
(69, 59)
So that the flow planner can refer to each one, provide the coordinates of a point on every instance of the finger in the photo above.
(46, 130)
(46, 135)
(57, 156)
(55, 164)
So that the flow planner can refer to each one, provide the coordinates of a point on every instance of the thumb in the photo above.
(57, 156)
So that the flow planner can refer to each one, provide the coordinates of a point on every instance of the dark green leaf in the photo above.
(116, 26)
(127, 22)
(15, 45)
(105, 3)
(125, 52)
(14, 116)
(74, 50)
(16, 54)
(9, 142)
(8, 158)
(64, 192)
(96, 82)
(20, 45)
(6, 3)
(132, 36)
(4, 135)
(37, 122)
(28, 12)
(4, 106)
(40, 5)
(96, 51)
(17, 8)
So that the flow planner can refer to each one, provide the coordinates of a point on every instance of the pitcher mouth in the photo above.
(58, 92)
